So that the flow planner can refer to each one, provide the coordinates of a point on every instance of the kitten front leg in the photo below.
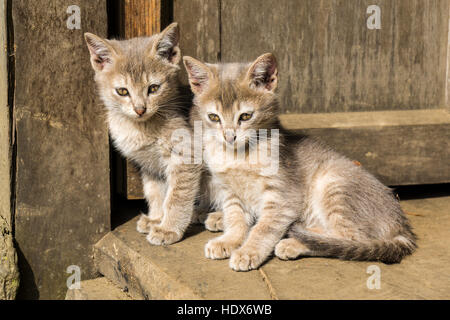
(213, 221)
(270, 228)
(154, 195)
(236, 229)
(178, 206)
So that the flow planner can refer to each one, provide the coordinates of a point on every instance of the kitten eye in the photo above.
(122, 92)
(153, 88)
(245, 116)
(213, 117)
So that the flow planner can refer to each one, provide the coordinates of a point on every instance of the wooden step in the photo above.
(180, 271)
(97, 289)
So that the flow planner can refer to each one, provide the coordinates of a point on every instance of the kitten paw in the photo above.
(289, 248)
(219, 249)
(214, 222)
(144, 224)
(245, 259)
(159, 236)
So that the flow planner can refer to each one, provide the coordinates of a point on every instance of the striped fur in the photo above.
(318, 203)
(387, 251)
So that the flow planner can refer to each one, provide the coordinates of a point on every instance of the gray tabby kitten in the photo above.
(137, 80)
(324, 203)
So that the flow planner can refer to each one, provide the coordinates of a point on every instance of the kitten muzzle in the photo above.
(140, 111)
(229, 136)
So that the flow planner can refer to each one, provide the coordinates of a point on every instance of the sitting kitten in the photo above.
(137, 80)
(324, 203)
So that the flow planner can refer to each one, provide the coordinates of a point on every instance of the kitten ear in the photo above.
(263, 73)
(199, 74)
(102, 53)
(166, 46)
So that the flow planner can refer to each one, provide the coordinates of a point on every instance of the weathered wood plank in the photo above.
(199, 22)
(62, 181)
(9, 272)
(331, 62)
(5, 150)
(365, 119)
(447, 76)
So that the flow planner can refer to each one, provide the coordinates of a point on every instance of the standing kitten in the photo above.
(138, 82)
(325, 204)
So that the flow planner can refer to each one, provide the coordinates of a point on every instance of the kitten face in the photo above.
(234, 100)
(136, 77)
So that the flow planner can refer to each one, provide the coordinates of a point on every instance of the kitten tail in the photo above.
(386, 251)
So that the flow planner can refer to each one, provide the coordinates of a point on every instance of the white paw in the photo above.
(245, 259)
(289, 248)
(159, 236)
(219, 249)
(214, 222)
(143, 225)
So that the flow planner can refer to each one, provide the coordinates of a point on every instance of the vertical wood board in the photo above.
(62, 179)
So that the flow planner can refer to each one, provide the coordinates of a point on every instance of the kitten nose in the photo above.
(230, 136)
(140, 110)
